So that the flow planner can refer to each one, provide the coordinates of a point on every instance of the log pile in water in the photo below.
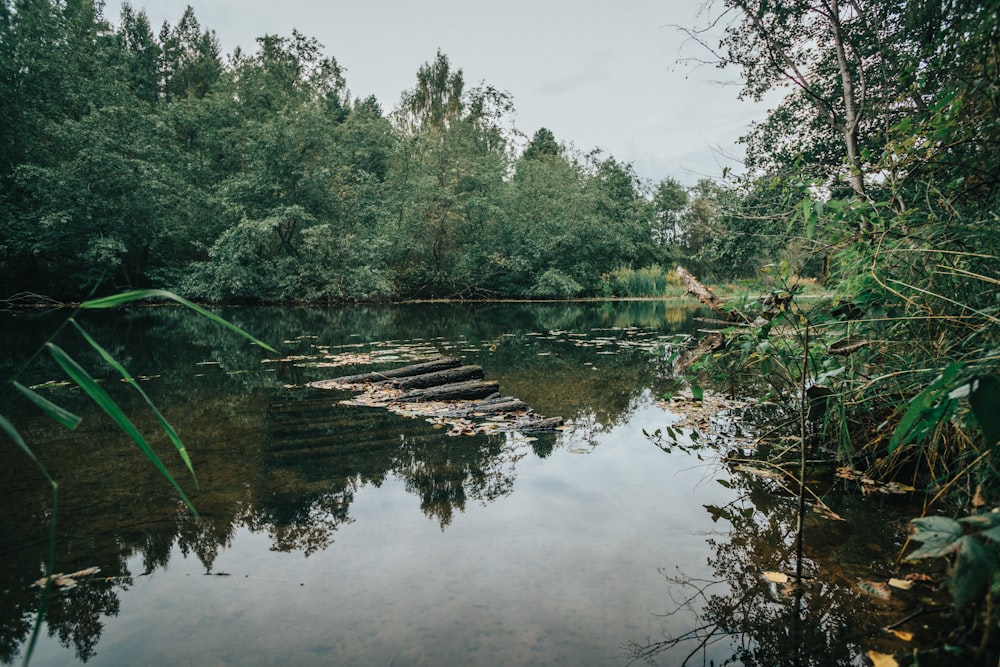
(444, 392)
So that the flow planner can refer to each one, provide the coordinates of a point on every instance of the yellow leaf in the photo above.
(902, 634)
(882, 660)
(902, 584)
(776, 577)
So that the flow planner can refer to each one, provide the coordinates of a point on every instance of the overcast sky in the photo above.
(598, 74)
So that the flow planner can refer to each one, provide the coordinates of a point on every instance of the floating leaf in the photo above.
(882, 659)
(876, 589)
(776, 577)
(901, 584)
(902, 634)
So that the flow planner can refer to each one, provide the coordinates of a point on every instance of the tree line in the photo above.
(130, 159)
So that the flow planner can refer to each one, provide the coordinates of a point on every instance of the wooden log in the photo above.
(701, 292)
(464, 391)
(510, 404)
(449, 376)
(432, 366)
(538, 426)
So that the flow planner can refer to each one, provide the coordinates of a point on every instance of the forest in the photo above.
(139, 159)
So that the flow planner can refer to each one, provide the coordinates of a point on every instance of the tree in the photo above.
(814, 46)
(542, 143)
(190, 61)
(669, 201)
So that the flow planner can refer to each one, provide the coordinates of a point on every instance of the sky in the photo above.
(597, 74)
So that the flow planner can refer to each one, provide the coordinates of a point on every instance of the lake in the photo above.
(333, 534)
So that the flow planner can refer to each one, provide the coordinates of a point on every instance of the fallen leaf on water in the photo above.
(902, 584)
(919, 576)
(876, 589)
(903, 634)
(882, 659)
(776, 577)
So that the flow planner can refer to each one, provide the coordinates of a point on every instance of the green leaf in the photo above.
(938, 534)
(139, 295)
(920, 413)
(60, 414)
(697, 393)
(992, 534)
(167, 428)
(981, 521)
(106, 403)
(972, 571)
(985, 402)
(14, 435)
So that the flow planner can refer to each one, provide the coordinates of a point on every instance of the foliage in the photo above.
(975, 564)
(256, 176)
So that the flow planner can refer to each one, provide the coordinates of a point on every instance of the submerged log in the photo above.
(459, 374)
(540, 425)
(457, 391)
(376, 377)
(506, 405)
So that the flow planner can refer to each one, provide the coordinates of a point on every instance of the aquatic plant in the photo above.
(82, 379)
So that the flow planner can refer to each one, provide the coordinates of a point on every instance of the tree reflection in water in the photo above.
(742, 618)
(278, 460)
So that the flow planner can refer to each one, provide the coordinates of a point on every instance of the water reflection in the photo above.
(743, 618)
(278, 459)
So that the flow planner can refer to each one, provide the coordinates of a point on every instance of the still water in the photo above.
(342, 535)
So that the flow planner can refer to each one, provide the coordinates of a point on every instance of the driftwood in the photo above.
(459, 374)
(455, 391)
(434, 366)
(443, 389)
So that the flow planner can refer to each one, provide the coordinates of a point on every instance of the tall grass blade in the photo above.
(106, 403)
(43, 606)
(138, 295)
(59, 413)
(167, 428)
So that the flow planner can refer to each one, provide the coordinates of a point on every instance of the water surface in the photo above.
(348, 535)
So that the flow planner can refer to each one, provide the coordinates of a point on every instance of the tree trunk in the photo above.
(852, 118)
